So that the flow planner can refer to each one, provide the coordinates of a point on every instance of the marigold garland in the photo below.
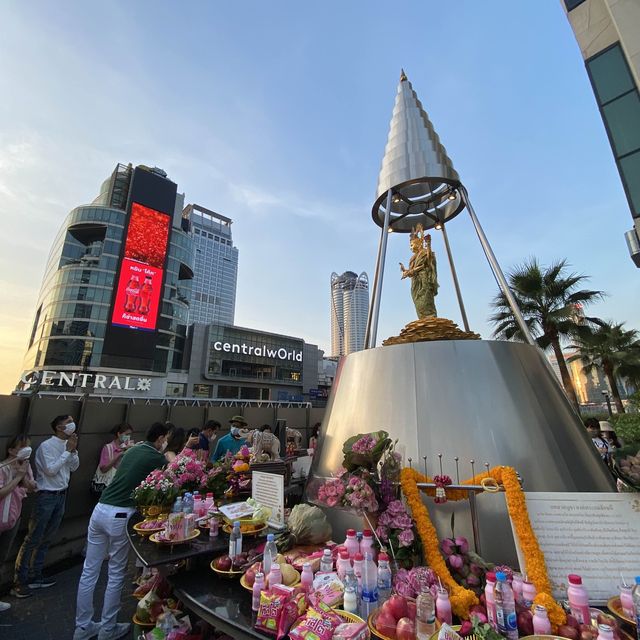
(462, 599)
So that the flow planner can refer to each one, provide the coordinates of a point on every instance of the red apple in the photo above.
(398, 606)
(567, 631)
(223, 563)
(572, 621)
(388, 610)
(411, 608)
(525, 623)
(386, 625)
(250, 577)
(405, 629)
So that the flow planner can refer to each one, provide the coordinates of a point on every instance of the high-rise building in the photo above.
(216, 267)
(608, 33)
(116, 289)
(349, 311)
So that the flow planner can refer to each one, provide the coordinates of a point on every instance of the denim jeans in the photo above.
(43, 526)
(107, 536)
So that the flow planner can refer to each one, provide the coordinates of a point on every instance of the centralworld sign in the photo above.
(80, 380)
(263, 351)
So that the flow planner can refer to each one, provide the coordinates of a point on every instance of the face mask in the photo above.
(235, 431)
(213, 437)
(70, 429)
(163, 446)
(125, 439)
(24, 453)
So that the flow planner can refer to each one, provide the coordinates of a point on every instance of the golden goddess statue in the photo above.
(423, 273)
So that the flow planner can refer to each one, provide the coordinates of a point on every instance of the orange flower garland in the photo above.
(462, 599)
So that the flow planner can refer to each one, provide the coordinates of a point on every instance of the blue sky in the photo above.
(276, 115)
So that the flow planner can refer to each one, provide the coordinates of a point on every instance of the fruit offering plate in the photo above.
(616, 608)
(232, 573)
(159, 539)
(295, 583)
(371, 623)
(142, 530)
(139, 623)
(347, 616)
(246, 529)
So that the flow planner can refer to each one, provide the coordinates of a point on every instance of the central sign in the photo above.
(85, 380)
(263, 351)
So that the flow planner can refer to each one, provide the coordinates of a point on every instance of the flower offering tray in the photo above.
(155, 537)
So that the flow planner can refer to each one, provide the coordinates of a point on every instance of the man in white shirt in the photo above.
(56, 459)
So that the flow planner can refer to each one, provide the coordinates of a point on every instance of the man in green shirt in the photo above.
(107, 536)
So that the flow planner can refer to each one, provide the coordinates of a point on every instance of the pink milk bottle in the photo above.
(358, 565)
(306, 577)
(342, 564)
(366, 544)
(578, 600)
(626, 601)
(208, 502)
(516, 585)
(258, 586)
(351, 543)
(605, 632)
(541, 624)
(528, 593)
(275, 575)
(490, 599)
(443, 607)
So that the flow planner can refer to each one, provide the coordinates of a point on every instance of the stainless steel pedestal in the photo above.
(488, 401)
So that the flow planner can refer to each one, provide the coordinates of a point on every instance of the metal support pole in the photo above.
(454, 275)
(497, 271)
(374, 311)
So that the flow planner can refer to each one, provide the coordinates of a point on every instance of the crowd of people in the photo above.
(123, 464)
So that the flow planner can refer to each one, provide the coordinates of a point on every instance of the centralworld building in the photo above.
(349, 311)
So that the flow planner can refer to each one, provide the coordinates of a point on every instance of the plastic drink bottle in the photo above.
(425, 615)
(578, 600)
(258, 586)
(443, 607)
(626, 600)
(384, 578)
(351, 543)
(366, 544)
(177, 505)
(275, 575)
(269, 554)
(197, 505)
(326, 562)
(214, 525)
(636, 605)
(528, 593)
(187, 503)
(342, 564)
(369, 589)
(505, 608)
(208, 502)
(490, 600)
(306, 577)
(132, 293)
(358, 566)
(145, 295)
(516, 586)
(235, 541)
(350, 600)
(541, 624)
(605, 632)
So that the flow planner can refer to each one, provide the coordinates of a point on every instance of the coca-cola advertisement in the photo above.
(141, 271)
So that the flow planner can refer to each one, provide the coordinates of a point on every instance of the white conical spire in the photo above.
(416, 167)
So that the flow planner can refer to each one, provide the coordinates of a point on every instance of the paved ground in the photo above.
(49, 614)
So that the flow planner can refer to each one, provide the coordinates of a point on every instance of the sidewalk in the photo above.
(50, 613)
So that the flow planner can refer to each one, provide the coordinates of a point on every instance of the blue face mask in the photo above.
(235, 431)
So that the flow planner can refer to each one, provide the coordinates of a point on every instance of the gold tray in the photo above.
(146, 532)
(226, 574)
(154, 538)
(616, 609)
(295, 583)
(227, 528)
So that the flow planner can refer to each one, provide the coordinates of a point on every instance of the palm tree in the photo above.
(612, 349)
(550, 300)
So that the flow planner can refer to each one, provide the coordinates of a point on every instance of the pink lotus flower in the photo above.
(406, 538)
(462, 544)
(456, 561)
(448, 546)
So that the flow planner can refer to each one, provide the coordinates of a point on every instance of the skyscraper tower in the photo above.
(608, 33)
(349, 311)
(216, 267)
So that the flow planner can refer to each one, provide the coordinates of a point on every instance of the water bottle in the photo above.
(269, 554)
(384, 578)
(235, 541)
(636, 605)
(505, 608)
(187, 503)
(350, 600)
(369, 593)
(177, 505)
(425, 614)
(326, 562)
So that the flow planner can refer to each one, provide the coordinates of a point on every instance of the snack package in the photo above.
(328, 613)
(329, 590)
(351, 631)
(293, 608)
(312, 627)
(271, 605)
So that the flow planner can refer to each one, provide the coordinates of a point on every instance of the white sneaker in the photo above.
(119, 631)
(4, 606)
(85, 633)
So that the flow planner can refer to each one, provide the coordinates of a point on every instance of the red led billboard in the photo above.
(139, 287)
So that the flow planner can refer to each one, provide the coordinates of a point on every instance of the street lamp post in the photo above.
(607, 398)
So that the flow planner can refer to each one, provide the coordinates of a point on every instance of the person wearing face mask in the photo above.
(56, 459)
(16, 480)
(110, 457)
(207, 437)
(233, 441)
(107, 538)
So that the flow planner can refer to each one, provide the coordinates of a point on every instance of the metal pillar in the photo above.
(374, 311)
(454, 275)
(497, 271)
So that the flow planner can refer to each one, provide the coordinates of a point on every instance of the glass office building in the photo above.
(74, 311)
(349, 311)
(216, 267)
(608, 33)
